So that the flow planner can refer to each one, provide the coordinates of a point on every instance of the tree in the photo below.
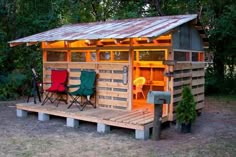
(20, 18)
(221, 24)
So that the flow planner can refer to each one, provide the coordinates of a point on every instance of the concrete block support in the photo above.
(21, 113)
(70, 122)
(103, 128)
(142, 134)
(43, 116)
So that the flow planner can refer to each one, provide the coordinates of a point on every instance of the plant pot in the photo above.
(186, 128)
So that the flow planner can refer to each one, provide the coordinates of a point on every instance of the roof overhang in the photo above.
(120, 29)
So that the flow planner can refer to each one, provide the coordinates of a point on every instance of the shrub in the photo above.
(186, 108)
(11, 85)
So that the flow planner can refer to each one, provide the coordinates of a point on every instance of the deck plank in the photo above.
(140, 117)
(126, 115)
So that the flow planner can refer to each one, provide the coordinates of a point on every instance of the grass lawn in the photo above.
(214, 135)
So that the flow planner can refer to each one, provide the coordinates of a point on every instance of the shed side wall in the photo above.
(187, 38)
(189, 74)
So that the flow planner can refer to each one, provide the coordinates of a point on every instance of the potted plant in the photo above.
(186, 110)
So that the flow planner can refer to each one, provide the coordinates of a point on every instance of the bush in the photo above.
(12, 85)
(186, 108)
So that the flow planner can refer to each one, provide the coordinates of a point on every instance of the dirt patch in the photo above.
(214, 134)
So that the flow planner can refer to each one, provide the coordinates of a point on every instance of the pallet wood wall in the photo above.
(110, 90)
(190, 74)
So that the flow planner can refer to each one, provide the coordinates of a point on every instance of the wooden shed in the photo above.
(167, 51)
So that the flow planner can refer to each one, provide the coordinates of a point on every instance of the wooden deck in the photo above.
(141, 120)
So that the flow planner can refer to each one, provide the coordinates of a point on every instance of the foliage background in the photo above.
(20, 18)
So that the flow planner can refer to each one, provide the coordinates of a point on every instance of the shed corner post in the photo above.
(44, 52)
(171, 84)
(130, 75)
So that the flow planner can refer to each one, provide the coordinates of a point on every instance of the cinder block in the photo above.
(142, 134)
(103, 128)
(43, 116)
(70, 122)
(21, 113)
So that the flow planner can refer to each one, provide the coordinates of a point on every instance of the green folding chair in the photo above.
(86, 89)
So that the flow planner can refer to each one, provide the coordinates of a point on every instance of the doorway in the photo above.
(147, 66)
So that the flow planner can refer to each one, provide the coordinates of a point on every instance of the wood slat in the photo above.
(139, 118)
(199, 97)
(82, 66)
(73, 82)
(181, 83)
(55, 65)
(151, 119)
(181, 75)
(149, 65)
(146, 119)
(177, 99)
(198, 73)
(111, 84)
(200, 81)
(130, 118)
(198, 65)
(46, 79)
(112, 102)
(111, 66)
(198, 90)
(182, 66)
(178, 91)
(200, 105)
(75, 74)
(128, 114)
(110, 76)
(47, 72)
(113, 93)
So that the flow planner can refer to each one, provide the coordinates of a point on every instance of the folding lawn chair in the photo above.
(86, 88)
(58, 86)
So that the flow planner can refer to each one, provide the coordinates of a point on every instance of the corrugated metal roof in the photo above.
(119, 29)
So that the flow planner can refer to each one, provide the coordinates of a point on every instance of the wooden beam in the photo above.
(151, 47)
(206, 43)
(108, 40)
(70, 48)
(198, 27)
(130, 74)
(31, 43)
(16, 44)
(99, 43)
(203, 35)
(119, 41)
(71, 41)
(114, 48)
(50, 42)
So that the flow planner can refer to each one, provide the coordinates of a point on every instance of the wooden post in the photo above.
(157, 121)
(130, 74)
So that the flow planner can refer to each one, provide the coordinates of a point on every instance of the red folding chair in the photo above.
(58, 86)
